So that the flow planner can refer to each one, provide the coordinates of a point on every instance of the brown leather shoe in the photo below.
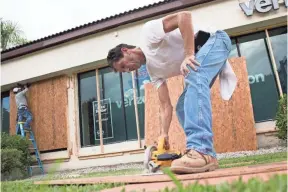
(194, 162)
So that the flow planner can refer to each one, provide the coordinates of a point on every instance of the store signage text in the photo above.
(129, 101)
(262, 6)
(106, 118)
(256, 78)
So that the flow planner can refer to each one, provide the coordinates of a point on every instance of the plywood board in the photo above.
(47, 101)
(152, 115)
(13, 113)
(136, 179)
(233, 120)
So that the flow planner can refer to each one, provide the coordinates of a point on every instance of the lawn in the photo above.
(278, 183)
(253, 160)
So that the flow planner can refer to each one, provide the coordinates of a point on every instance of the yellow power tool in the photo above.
(158, 157)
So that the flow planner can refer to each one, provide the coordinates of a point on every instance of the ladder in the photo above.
(34, 147)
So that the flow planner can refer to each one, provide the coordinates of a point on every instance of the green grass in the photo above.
(277, 183)
(253, 160)
(28, 186)
(253, 185)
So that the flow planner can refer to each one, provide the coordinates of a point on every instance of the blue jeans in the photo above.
(25, 113)
(193, 108)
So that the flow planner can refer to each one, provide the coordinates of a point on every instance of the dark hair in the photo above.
(116, 54)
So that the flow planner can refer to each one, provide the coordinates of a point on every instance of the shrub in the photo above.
(15, 156)
(10, 158)
(11, 165)
(19, 143)
(281, 118)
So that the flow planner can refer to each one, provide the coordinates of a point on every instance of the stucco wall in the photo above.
(221, 14)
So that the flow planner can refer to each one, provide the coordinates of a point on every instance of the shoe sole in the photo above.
(185, 170)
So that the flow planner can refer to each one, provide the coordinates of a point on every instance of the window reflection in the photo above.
(260, 75)
(142, 77)
(129, 106)
(113, 122)
(278, 39)
(117, 106)
(5, 112)
(87, 95)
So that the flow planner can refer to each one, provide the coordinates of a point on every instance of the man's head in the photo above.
(125, 58)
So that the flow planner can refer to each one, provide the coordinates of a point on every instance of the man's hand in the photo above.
(189, 60)
(166, 141)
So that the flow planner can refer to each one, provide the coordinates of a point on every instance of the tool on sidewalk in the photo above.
(34, 146)
(158, 157)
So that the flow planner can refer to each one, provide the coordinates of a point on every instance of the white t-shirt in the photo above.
(164, 54)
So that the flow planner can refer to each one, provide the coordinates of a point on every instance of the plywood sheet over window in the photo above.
(233, 121)
(153, 119)
(48, 103)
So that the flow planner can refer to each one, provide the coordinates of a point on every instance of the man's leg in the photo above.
(195, 112)
(29, 117)
(19, 119)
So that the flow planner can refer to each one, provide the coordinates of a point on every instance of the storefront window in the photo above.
(113, 118)
(260, 75)
(117, 107)
(87, 95)
(279, 45)
(142, 77)
(129, 106)
(5, 112)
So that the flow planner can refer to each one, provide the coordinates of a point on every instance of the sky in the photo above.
(40, 18)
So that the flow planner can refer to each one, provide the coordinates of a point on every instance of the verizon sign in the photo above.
(262, 6)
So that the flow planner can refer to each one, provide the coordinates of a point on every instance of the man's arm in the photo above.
(165, 107)
(183, 21)
(23, 92)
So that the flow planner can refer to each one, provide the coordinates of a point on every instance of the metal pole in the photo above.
(273, 63)
(136, 108)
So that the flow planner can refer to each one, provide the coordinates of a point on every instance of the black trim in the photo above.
(80, 109)
(237, 46)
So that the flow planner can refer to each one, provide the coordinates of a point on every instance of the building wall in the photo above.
(76, 54)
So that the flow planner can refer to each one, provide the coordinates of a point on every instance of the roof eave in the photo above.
(100, 26)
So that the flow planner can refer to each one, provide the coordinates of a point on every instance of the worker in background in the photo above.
(172, 46)
(22, 106)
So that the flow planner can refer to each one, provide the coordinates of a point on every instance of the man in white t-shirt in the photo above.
(168, 50)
